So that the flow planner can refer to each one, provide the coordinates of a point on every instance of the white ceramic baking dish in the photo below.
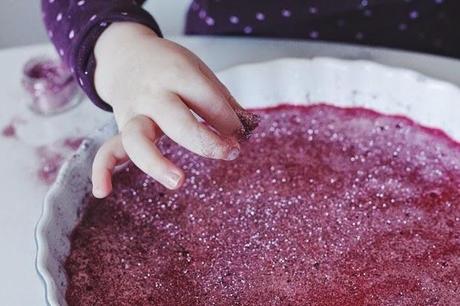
(301, 81)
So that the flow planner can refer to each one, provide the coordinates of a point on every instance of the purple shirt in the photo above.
(420, 25)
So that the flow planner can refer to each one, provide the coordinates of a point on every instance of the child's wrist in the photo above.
(113, 49)
(119, 35)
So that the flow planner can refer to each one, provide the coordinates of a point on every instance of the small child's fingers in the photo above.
(248, 119)
(208, 73)
(177, 121)
(139, 136)
(110, 154)
(212, 101)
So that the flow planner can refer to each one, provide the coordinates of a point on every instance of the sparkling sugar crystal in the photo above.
(318, 210)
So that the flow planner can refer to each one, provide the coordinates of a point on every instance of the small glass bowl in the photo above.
(51, 86)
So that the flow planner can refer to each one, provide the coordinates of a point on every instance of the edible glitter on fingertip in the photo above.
(250, 122)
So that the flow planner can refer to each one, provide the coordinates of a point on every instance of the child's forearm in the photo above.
(74, 26)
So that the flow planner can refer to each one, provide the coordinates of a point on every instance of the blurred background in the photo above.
(21, 23)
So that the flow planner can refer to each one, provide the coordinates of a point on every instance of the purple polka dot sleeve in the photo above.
(75, 25)
(430, 26)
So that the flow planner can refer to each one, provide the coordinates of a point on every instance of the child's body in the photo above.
(152, 84)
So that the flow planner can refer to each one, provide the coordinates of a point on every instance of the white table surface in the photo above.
(22, 192)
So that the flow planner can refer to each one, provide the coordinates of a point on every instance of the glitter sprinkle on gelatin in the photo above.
(325, 206)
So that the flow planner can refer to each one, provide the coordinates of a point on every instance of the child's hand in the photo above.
(152, 85)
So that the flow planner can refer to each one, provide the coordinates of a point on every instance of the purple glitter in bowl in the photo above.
(51, 86)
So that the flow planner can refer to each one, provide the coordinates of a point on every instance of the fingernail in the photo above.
(97, 193)
(172, 180)
(233, 154)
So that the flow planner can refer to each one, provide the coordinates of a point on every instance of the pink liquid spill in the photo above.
(51, 158)
(325, 206)
(9, 131)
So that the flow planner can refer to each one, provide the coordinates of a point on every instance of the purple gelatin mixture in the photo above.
(324, 206)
